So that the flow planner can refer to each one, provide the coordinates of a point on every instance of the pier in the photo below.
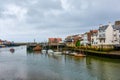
(30, 46)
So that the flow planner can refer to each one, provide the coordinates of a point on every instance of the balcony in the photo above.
(101, 37)
(101, 32)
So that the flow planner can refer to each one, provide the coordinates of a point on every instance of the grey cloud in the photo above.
(51, 18)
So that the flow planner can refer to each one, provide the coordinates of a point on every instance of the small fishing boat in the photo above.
(66, 52)
(50, 51)
(37, 48)
(2, 46)
(72, 53)
(44, 51)
(79, 55)
(12, 50)
(57, 53)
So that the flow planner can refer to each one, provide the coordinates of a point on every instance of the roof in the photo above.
(103, 27)
(93, 32)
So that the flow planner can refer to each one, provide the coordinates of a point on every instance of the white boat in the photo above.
(57, 53)
(50, 51)
(44, 51)
(73, 53)
(66, 52)
(79, 55)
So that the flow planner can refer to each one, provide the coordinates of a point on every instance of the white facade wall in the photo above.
(85, 40)
(109, 35)
(100, 33)
(94, 37)
(116, 37)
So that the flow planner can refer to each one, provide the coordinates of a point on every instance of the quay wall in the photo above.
(107, 54)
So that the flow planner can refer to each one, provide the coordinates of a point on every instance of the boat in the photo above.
(66, 52)
(12, 50)
(37, 48)
(2, 46)
(57, 53)
(79, 55)
(44, 51)
(50, 51)
(73, 53)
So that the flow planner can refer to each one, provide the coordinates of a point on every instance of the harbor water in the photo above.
(23, 65)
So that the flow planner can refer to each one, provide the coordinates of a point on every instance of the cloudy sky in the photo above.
(26, 20)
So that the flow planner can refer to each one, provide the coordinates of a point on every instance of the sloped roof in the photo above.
(103, 27)
(93, 31)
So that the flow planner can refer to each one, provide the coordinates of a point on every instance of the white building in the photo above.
(116, 34)
(85, 39)
(94, 37)
(105, 34)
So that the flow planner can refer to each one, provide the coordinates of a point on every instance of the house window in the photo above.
(100, 41)
(114, 30)
(115, 35)
(104, 40)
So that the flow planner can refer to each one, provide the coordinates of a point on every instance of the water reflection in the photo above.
(24, 65)
(105, 69)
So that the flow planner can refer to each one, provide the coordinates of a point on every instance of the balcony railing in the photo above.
(101, 36)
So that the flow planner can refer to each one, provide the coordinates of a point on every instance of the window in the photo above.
(104, 40)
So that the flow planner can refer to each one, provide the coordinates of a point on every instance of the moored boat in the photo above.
(12, 50)
(2, 46)
(79, 55)
(44, 51)
(37, 48)
(57, 53)
(72, 53)
(50, 51)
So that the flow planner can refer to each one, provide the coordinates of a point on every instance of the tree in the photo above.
(78, 43)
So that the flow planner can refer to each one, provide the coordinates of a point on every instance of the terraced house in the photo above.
(105, 34)
(109, 34)
(85, 40)
(116, 33)
(94, 37)
(71, 40)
